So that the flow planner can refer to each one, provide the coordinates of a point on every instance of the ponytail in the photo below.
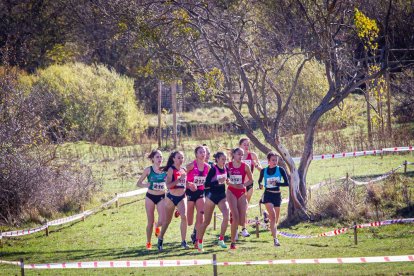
(170, 161)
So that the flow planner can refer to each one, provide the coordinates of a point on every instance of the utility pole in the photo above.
(174, 110)
(159, 113)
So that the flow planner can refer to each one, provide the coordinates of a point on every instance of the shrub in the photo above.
(91, 102)
(32, 183)
(337, 201)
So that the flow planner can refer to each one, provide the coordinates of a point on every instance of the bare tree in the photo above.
(237, 50)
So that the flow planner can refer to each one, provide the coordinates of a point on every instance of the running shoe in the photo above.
(176, 214)
(245, 233)
(233, 245)
(194, 236)
(200, 247)
(149, 246)
(184, 245)
(276, 242)
(159, 245)
(157, 231)
(221, 244)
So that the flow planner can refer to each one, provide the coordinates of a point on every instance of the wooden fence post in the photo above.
(214, 222)
(355, 234)
(257, 227)
(215, 265)
(47, 229)
(22, 266)
(83, 211)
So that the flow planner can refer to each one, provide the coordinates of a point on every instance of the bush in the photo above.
(32, 183)
(91, 102)
(339, 201)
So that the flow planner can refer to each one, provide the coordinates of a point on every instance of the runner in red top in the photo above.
(251, 159)
(240, 177)
(176, 184)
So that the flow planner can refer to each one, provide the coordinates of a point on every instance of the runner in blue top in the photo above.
(155, 194)
(274, 177)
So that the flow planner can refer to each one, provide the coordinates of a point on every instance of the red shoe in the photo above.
(149, 246)
(176, 214)
(157, 231)
(233, 245)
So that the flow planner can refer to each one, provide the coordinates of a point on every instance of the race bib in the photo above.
(236, 179)
(160, 186)
(181, 182)
(221, 178)
(199, 180)
(272, 182)
(248, 162)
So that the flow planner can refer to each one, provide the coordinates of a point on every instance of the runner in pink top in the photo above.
(197, 174)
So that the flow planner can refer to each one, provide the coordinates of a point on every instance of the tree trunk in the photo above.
(297, 214)
(369, 124)
(388, 85)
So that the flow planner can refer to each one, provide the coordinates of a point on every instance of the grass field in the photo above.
(119, 234)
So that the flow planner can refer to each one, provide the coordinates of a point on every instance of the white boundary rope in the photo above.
(17, 233)
(201, 262)
(351, 154)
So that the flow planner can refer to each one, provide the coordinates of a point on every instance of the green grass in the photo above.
(120, 234)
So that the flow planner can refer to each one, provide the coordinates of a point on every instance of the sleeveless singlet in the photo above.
(270, 181)
(249, 161)
(176, 175)
(237, 175)
(198, 177)
(156, 180)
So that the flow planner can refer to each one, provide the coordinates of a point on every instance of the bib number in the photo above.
(160, 186)
(199, 180)
(221, 178)
(248, 162)
(236, 179)
(181, 182)
(272, 182)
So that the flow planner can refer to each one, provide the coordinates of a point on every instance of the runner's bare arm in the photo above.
(140, 182)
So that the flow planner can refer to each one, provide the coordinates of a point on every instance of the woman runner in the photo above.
(250, 158)
(176, 183)
(216, 195)
(197, 173)
(207, 160)
(236, 192)
(155, 194)
(274, 177)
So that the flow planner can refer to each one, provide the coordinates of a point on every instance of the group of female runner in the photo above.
(201, 185)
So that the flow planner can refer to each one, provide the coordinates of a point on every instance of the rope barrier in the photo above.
(17, 233)
(203, 262)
